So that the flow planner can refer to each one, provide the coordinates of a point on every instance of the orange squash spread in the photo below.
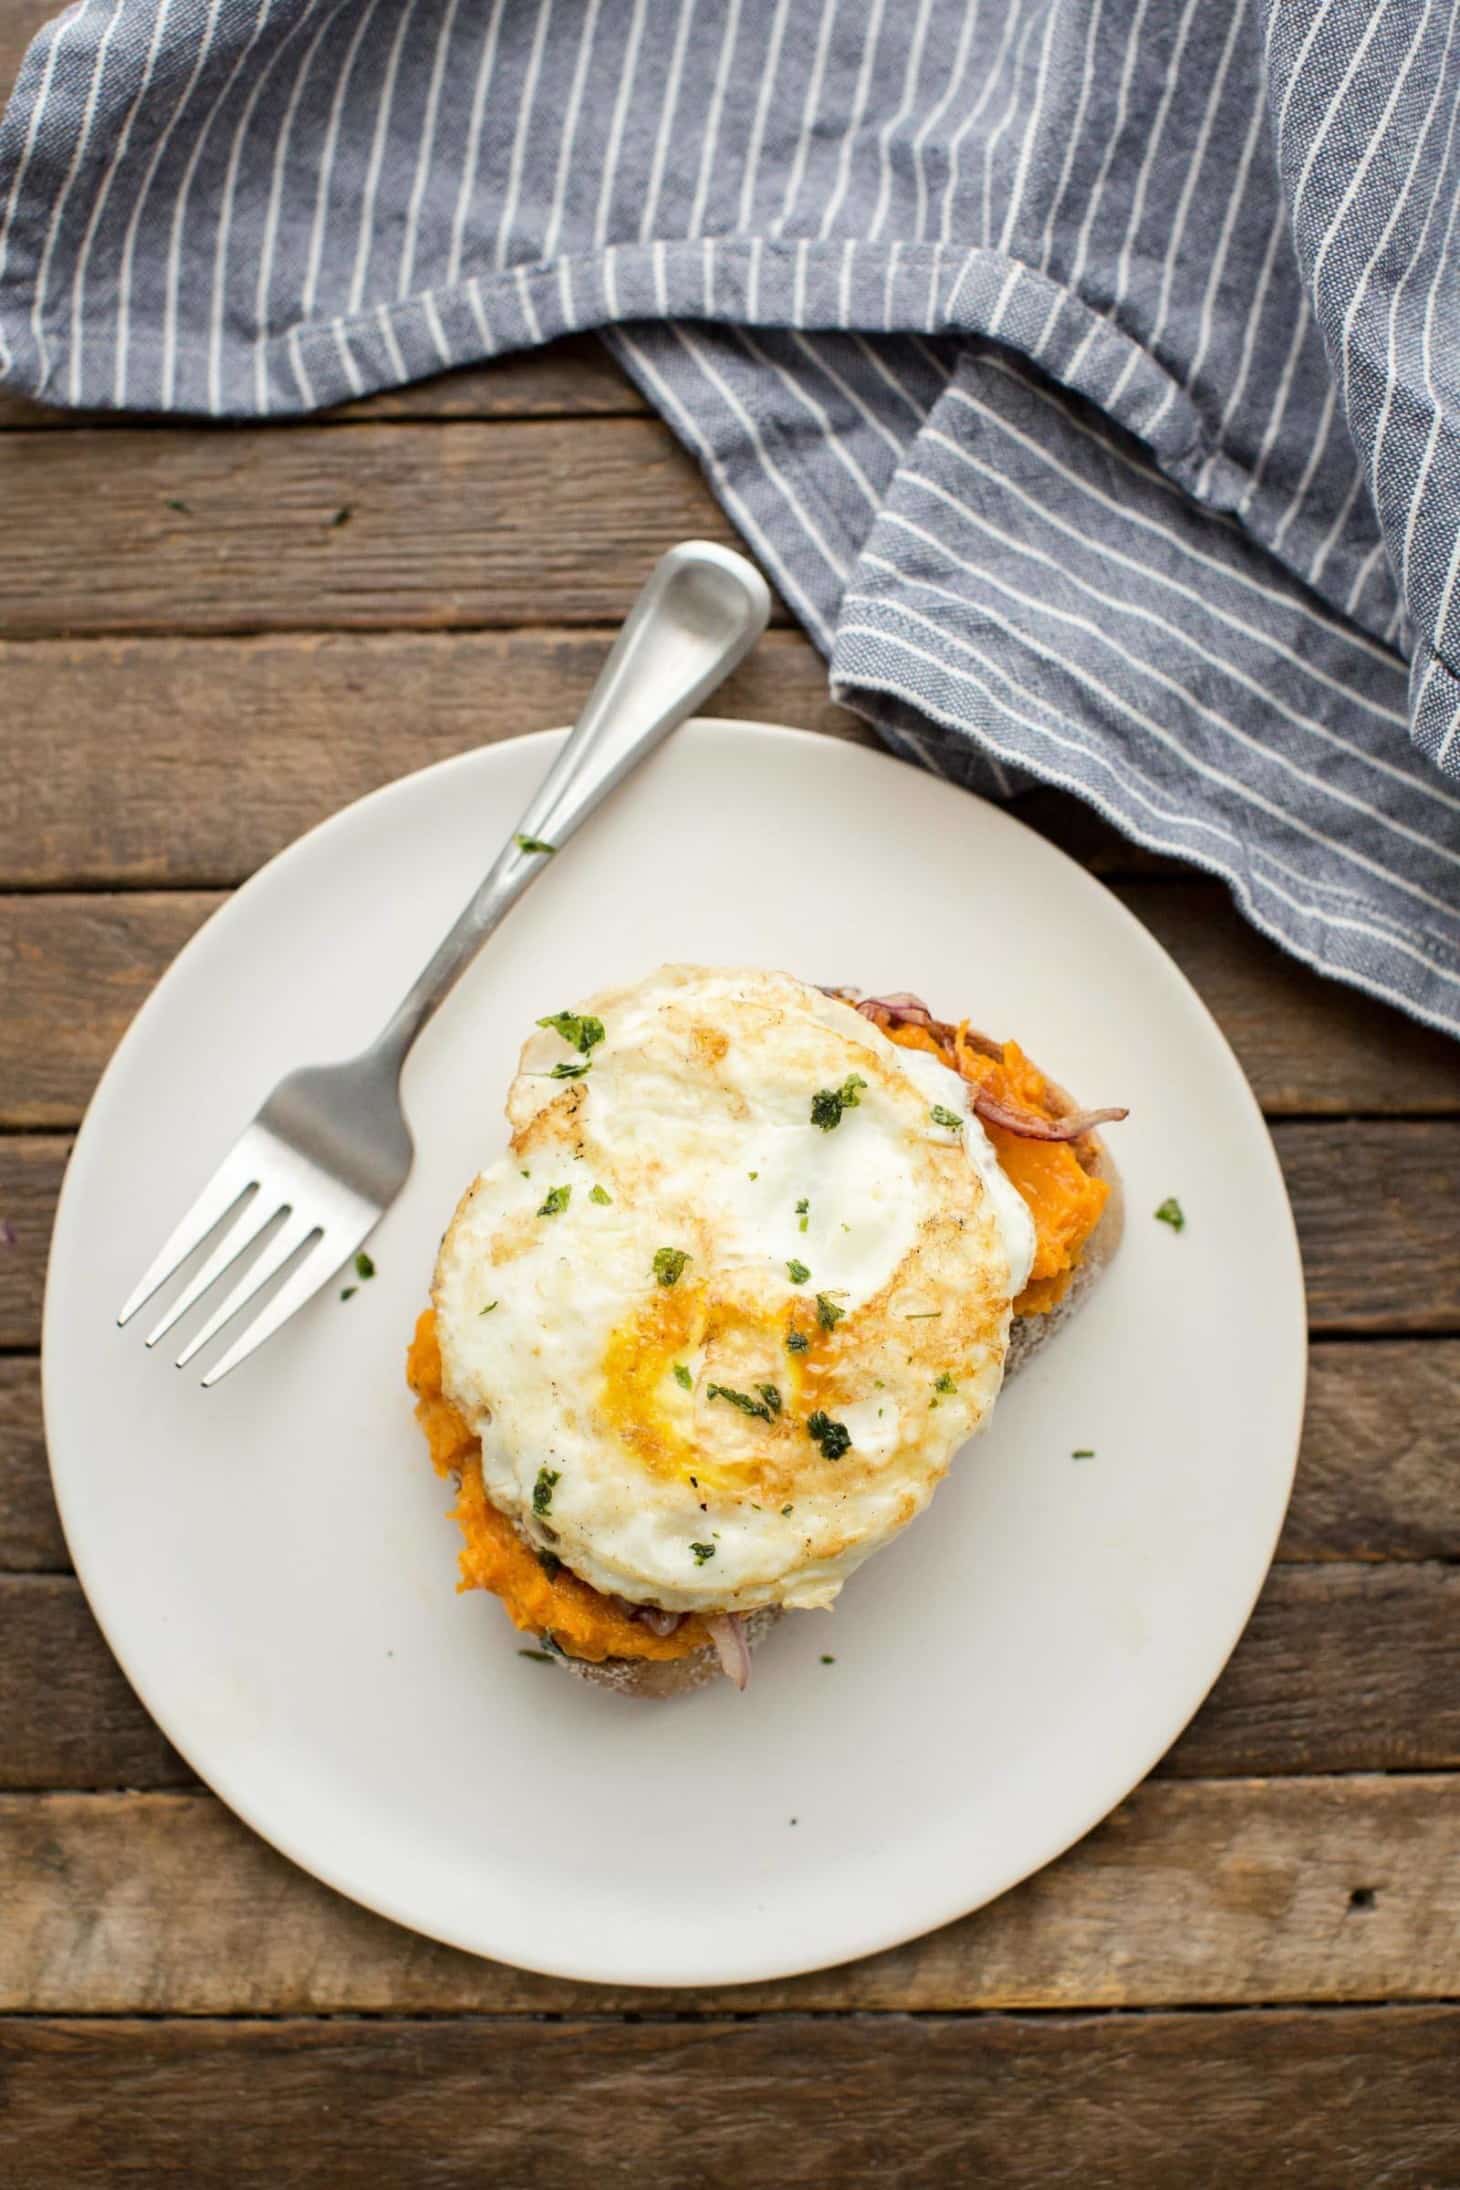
(580, 1621)
(1059, 1192)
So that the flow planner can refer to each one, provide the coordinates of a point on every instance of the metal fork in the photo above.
(330, 1150)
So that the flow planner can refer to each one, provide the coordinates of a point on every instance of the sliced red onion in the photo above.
(727, 1633)
(903, 1009)
(657, 1622)
(651, 1616)
(1030, 1127)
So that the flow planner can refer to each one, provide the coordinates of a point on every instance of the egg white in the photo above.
(570, 1357)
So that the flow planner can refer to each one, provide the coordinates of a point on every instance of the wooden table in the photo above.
(212, 639)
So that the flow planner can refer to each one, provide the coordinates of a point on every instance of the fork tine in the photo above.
(259, 1215)
(232, 1179)
(319, 1264)
(291, 1235)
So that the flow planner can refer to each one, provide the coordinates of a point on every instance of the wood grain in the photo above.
(1375, 1208)
(1379, 1470)
(382, 526)
(30, 1527)
(1376, 1480)
(1243, 2099)
(1209, 1894)
(180, 761)
(68, 1717)
(574, 378)
(31, 1171)
(75, 968)
(19, 22)
(1343, 1669)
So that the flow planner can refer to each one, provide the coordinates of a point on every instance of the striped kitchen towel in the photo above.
(1085, 372)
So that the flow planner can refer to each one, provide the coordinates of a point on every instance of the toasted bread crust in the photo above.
(1028, 1336)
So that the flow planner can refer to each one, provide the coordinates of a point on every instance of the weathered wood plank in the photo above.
(1376, 1479)
(1327, 2099)
(1380, 1465)
(30, 1528)
(68, 1717)
(76, 968)
(384, 526)
(30, 1183)
(1374, 1203)
(1343, 1669)
(1375, 1206)
(574, 378)
(192, 761)
(1200, 1895)
(19, 22)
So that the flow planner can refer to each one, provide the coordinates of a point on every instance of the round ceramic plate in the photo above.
(272, 1563)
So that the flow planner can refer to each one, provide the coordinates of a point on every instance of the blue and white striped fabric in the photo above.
(1084, 371)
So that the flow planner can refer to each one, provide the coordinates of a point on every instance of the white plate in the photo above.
(271, 1561)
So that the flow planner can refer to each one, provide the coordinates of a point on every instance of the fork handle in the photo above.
(700, 612)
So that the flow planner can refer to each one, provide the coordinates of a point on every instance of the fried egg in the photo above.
(735, 1296)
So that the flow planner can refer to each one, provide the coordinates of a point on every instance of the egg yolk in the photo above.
(582, 1622)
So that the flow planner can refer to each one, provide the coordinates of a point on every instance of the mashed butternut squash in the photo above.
(495, 1557)
(1060, 1194)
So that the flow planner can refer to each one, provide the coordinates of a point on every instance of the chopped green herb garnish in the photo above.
(540, 1657)
(827, 1659)
(1085, 1452)
(182, 509)
(543, 1488)
(797, 1272)
(828, 1315)
(834, 1438)
(761, 1408)
(527, 1174)
(580, 1029)
(533, 844)
(786, 1512)
(702, 1552)
(557, 1201)
(950, 1118)
(683, 1377)
(364, 1267)
(568, 1072)
(491, 1304)
(669, 1264)
(828, 1103)
(945, 1383)
(797, 1342)
(549, 1561)
(349, 1292)
(1171, 1212)
(771, 1397)
(752, 1174)
(596, 1193)
(803, 1208)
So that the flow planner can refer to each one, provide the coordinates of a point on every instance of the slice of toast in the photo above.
(1028, 1336)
